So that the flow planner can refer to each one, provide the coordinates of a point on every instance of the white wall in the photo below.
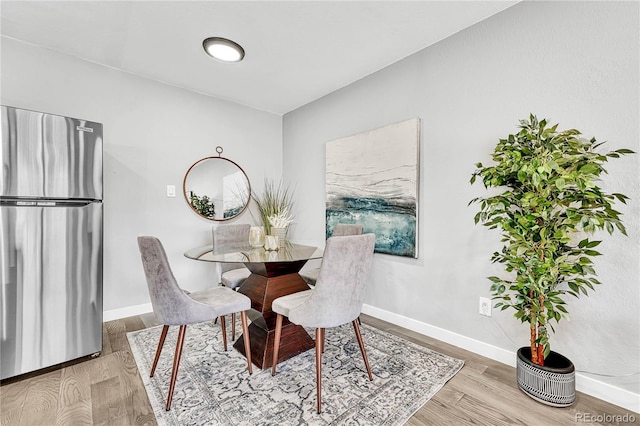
(575, 63)
(152, 134)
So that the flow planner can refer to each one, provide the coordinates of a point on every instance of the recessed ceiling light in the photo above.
(223, 49)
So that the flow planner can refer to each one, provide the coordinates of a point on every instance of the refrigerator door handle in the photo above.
(3, 335)
(46, 203)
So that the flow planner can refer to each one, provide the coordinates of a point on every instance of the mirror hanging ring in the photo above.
(216, 188)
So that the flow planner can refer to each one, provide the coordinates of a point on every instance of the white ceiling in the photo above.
(296, 51)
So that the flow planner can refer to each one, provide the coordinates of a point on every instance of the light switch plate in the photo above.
(171, 190)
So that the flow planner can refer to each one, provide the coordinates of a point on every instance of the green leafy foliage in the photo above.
(551, 199)
(203, 205)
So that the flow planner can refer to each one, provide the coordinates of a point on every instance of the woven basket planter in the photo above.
(281, 233)
(552, 384)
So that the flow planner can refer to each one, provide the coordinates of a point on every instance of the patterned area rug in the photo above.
(214, 387)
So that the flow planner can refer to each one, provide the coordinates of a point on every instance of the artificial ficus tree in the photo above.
(548, 210)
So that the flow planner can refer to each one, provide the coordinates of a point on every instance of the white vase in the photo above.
(271, 242)
(281, 233)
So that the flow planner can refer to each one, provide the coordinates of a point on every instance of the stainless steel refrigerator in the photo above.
(51, 242)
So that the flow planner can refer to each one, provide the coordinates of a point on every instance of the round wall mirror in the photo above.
(216, 188)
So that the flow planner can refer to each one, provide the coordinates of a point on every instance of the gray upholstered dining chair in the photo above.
(232, 275)
(335, 300)
(310, 273)
(174, 306)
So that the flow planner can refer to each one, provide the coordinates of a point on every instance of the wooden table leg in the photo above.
(262, 289)
(295, 340)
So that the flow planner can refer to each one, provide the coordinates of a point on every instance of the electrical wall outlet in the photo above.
(171, 190)
(484, 306)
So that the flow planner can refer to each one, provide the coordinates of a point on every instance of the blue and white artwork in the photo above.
(372, 180)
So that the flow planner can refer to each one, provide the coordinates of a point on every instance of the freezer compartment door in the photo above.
(49, 156)
(51, 294)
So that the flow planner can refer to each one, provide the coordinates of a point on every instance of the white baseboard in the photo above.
(585, 384)
(129, 311)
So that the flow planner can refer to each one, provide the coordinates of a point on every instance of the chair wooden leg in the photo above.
(245, 334)
(356, 327)
(233, 326)
(276, 344)
(223, 325)
(176, 364)
(319, 344)
(163, 336)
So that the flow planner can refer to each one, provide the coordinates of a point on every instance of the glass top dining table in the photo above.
(234, 253)
(273, 274)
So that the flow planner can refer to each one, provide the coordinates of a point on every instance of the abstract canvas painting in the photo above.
(372, 180)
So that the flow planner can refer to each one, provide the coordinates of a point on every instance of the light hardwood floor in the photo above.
(108, 390)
